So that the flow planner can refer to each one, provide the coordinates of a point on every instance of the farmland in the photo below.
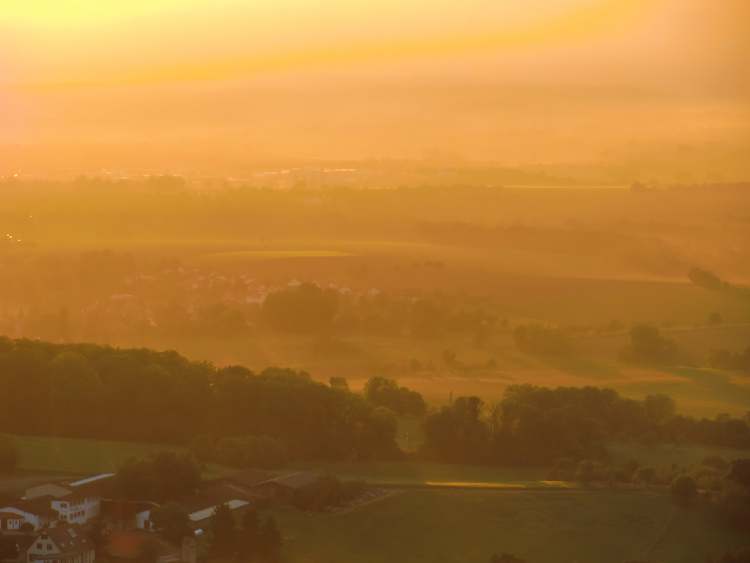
(468, 526)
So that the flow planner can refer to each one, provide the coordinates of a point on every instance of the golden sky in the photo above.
(516, 81)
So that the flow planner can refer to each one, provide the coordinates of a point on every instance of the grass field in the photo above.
(83, 457)
(67, 455)
(468, 526)
(418, 473)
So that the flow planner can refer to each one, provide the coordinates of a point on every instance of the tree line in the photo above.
(537, 426)
(89, 391)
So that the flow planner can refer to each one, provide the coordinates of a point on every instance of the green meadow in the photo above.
(469, 526)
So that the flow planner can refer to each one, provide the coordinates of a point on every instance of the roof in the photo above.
(39, 506)
(203, 504)
(96, 485)
(250, 477)
(57, 490)
(92, 479)
(67, 538)
(209, 511)
(12, 515)
(297, 480)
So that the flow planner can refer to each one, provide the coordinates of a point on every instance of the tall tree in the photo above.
(270, 541)
(224, 532)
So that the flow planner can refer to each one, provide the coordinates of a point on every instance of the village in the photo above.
(85, 520)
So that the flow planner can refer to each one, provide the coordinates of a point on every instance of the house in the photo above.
(61, 544)
(84, 500)
(74, 502)
(36, 513)
(121, 514)
(11, 522)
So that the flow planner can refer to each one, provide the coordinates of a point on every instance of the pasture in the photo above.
(469, 526)
(77, 456)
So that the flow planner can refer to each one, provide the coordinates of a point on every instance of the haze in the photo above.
(200, 86)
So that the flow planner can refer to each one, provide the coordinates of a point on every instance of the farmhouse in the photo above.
(75, 502)
(84, 498)
(61, 544)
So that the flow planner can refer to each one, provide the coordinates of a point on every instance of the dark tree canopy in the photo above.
(401, 400)
(162, 477)
(537, 426)
(706, 279)
(648, 346)
(147, 396)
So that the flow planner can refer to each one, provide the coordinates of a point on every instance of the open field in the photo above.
(468, 526)
(78, 456)
(83, 457)
(423, 473)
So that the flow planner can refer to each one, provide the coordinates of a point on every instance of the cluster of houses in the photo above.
(82, 520)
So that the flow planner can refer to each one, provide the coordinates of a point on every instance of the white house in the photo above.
(76, 502)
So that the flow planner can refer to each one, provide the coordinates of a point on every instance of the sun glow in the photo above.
(230, 53)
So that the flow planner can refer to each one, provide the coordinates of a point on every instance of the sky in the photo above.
(93, 83)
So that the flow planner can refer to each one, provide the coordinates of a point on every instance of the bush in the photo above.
(401, 400)
(683, 490)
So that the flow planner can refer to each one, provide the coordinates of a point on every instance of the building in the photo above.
(74, 502)
(283, 488)
(32, 513)
(11, 522)
(61, 544)
(84, 499)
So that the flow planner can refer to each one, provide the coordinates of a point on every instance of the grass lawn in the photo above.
(468, 526)
(417, 473)
(82, 457)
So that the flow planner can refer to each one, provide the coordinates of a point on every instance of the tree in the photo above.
(172, 521)
(248, 538)
(586, 471)
(457, 432)
(270, 541)
(162, 477)
(706, 279)
(648, 346)
(8, 454)
(401, 400)
(339, 383)
(683, 490)
(224, 533)
(150, 549)
(739, 472)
